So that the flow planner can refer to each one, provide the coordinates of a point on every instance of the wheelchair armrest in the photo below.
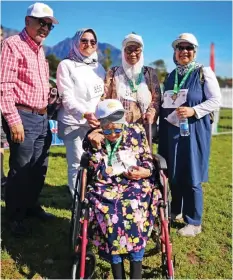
(160, 162)
(84, 160)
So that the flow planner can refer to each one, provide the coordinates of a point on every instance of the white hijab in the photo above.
(132, 71)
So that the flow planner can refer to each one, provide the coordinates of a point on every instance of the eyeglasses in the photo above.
(187, 48)
(85, 41)
(130, 50)
(43, 23)
(110, 131)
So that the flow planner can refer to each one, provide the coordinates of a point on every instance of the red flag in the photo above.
(212, 62)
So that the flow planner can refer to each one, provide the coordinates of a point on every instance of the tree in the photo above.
(160, 68)
(107, 62)
(53, 63)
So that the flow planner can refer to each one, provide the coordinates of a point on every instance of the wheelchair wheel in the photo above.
(155, 235)
(89, 266)
(76, 214)
(167, 267)
(166, 247)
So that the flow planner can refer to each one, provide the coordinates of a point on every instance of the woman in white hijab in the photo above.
(80, 82)
(134, 84)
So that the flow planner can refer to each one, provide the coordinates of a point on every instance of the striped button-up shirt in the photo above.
(24, 76)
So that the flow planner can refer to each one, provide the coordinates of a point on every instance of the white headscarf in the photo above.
(75, 53)
(132, 71)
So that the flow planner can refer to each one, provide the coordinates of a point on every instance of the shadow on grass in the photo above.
(44, 252)
(177, 224)
(56, 197)
(57, 154)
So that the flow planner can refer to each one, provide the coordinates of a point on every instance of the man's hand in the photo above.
(185, 112)
(137, 173)
(96, 138)
(92, 120)
(17, 133)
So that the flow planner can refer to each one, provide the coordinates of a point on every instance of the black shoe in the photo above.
(39, 212)
(18, 228)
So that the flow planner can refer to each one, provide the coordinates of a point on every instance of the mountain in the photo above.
(61, 49)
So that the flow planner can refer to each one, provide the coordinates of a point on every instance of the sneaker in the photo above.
(189, 231)
(176, 216)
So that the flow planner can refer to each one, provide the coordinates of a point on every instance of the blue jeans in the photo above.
(28, 164)
(192, 197)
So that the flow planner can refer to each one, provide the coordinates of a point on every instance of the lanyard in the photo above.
(177, 87)
(111, 152)
(137, 83)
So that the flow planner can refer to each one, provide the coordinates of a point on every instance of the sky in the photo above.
(158, 22)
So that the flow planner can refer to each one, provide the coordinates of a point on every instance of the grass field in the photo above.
(225, 120)
(45, 254)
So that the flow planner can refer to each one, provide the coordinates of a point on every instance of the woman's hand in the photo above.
(185, 112)
(96, 138)
(148, 118)
(92, 120)
(137, 173)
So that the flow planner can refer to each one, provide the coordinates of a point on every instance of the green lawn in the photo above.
(225, 120)
(224, 112)
(45, 254)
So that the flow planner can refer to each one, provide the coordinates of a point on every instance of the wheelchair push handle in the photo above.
(150, 135)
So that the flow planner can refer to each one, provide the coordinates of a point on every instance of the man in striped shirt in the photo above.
(24, 99)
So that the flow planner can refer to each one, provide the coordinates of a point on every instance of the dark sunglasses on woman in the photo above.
(85, 41)
(110, 131)
(130, 50)
(187, 48)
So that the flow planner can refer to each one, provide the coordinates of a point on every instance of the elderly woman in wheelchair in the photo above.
(122, 194)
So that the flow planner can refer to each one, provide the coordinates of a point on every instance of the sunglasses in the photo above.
(110, 131)
(85, 41)
(43, 23)
(130, 50)
(187, 48)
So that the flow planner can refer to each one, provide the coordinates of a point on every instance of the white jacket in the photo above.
(81, 87)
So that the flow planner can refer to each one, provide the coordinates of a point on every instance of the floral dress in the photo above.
(123, 210)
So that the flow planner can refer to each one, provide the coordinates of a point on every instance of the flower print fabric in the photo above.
(122, 210)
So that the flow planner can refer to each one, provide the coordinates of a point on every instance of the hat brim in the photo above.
(178, 41)
(110, 114)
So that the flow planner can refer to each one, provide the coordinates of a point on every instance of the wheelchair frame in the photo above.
(84, 261)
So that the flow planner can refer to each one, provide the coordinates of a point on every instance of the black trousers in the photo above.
(28, 164)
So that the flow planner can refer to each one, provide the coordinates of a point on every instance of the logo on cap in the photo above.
(112, 105)
(47, 11)
(183, 37)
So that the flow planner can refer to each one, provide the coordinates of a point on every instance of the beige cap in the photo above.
(185, 37)
(41, 10)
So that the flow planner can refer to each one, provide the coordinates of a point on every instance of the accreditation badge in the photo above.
(171, 100)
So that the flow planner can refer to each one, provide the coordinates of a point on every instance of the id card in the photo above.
(121, 162)
(171, 100)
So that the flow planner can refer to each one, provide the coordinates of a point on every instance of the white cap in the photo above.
(185, 37)
(132, 38)
(41, 10)
(108, 107)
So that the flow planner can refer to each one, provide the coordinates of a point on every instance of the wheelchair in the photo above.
(83, 259)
